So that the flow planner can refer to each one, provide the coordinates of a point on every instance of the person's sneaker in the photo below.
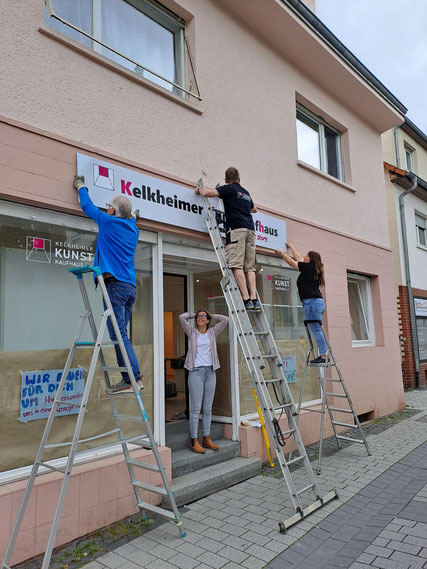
(256, 303)
(139, 383)
(319, 360)
(249, 305)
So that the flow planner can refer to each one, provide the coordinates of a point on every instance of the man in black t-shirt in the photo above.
(240, 234)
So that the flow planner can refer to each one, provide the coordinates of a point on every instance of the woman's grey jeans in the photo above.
(201, 384)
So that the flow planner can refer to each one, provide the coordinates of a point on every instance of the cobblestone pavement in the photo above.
(379, 520)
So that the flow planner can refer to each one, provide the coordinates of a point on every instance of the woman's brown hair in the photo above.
(316, 261)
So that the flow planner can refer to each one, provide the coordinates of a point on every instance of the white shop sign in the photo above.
(420, 305)
(163, 201)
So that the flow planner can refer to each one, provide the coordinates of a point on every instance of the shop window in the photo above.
(361, 313)
(422, 338)
(319, 145)
(420, 226)
(141, 35)
(40, 306)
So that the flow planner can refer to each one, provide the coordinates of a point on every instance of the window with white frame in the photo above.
(319, 145)
(147, 36)
(421, 229)
(409, 157)
(361, 313)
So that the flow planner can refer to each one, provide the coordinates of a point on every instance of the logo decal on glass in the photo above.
(103, 177)
(38, 249)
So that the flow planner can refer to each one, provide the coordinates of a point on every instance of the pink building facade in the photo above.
(229, 83)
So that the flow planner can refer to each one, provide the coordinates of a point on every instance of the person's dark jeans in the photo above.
(122, 296)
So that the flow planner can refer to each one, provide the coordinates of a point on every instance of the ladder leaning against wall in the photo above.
(144, 440)
(265, 367)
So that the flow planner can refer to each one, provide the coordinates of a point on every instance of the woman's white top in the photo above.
(203, 351)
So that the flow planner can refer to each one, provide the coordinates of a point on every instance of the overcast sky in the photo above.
(390, 39)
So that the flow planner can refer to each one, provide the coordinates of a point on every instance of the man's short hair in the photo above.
(232, 175)
(122, 206)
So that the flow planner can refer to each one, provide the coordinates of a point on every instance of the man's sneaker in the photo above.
(257, 304)
(249, 305)
(319, 360)
(123, 387)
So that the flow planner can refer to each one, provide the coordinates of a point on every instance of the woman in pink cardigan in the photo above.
(202, 362)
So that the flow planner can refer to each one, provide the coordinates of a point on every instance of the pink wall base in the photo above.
(99, 493)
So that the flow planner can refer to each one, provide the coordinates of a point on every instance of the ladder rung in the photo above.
(123, 417)
(150, 487)
(345, 425)
(337, 394)
(47, 465)
(309, 487)
(288, 432)
(297, 459)
(68, 443)
(145, 465)
(340, 410)
(261, 333)
(274, 380)
(343, 438)
(330, 364)
(157, 510)
(282, 406)
(66, 403)
(270, 356)
(86, 344)
(138, 440)
(113, 368)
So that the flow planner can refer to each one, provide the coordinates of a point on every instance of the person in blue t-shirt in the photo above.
(240, 234)
(115, 255)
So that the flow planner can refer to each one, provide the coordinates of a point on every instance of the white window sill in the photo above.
(363, 345)
(340, 183)
(423, 247)
(102, 60)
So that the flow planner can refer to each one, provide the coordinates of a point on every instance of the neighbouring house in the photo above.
(405, 167)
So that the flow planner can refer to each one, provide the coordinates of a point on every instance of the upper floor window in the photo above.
(361, 313)
(140, 35)
(421, 228)
(319, 144)
(409, 157)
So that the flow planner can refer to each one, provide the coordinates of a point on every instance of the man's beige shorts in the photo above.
(240, 252)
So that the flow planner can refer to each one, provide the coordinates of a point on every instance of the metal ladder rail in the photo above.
(269, 344)
(43, 445)
(347, 396)
(97, 354)
(255, 365)
(229, 286)
(130, 463)
(325, 402)
(322, 384)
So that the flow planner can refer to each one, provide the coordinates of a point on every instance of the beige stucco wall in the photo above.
(248, 118)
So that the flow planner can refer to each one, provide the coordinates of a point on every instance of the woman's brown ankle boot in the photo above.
(209, 444)
(195, 446)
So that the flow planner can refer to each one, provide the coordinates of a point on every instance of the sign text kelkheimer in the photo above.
(163, 201)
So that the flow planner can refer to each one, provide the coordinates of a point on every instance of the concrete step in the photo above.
(196, 485)
(177, 434)
(185, 461)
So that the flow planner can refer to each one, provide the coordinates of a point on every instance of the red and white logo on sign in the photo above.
(103, 177)
(38, 249)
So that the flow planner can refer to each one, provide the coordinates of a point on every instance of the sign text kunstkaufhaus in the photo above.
(163, 201)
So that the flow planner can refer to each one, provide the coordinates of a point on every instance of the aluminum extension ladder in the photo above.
(325, 395)
(249, 334)
(140, 440)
